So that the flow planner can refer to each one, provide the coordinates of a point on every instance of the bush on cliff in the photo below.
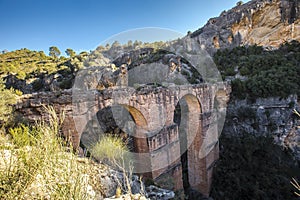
(261, 73)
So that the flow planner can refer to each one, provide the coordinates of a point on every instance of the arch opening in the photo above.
(117, 120)
(122, 121)
(187, 117)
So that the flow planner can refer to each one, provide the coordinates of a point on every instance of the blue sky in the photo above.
(84, 24)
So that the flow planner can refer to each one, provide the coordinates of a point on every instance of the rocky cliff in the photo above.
(274, 117)
(267, 23)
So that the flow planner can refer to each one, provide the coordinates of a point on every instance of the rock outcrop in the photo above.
(266, 23)
(273, 117)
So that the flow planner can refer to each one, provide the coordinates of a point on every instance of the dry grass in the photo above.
(35, 164)
(113, 151)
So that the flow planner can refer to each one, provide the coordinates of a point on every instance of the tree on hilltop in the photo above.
(115, 44)
(239, 3)
(70, 52)
(54, 52)
(4, 51)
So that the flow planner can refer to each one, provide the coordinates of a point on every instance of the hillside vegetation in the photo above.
(253, 166)
(255, 72)
(32, 71)
(25, 62)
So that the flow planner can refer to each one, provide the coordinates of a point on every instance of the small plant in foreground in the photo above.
(113, 150)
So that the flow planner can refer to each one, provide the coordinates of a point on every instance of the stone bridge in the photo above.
(174, 129)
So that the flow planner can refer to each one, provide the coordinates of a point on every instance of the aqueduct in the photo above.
(175, 129)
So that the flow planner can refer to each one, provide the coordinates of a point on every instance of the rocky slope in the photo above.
(263, 22)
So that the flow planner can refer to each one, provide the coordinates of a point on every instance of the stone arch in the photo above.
(139, 134)
(141, 155)
(114, 119)
(123, 120)
(137, 116)
(187, 116)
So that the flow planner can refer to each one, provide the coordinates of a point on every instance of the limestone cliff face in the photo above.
(266, 117)
(266, 23)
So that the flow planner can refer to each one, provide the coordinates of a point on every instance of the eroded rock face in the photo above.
(261, 22)
(13, 82)
(273, 117)
(139, 67)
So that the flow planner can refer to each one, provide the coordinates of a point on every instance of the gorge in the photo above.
(223, 127)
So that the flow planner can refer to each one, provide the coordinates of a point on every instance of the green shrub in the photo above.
(112, 149)
(238, 89)
(268, 73)
(24, 136)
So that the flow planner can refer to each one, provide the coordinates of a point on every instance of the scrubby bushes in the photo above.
(24, 62)
(254, 167)
(31, 71)
(263, 73)
(111, 149)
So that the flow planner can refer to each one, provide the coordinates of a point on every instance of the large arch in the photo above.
(137, 116)
(124, 121)
(124, 114)
(187, 116)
